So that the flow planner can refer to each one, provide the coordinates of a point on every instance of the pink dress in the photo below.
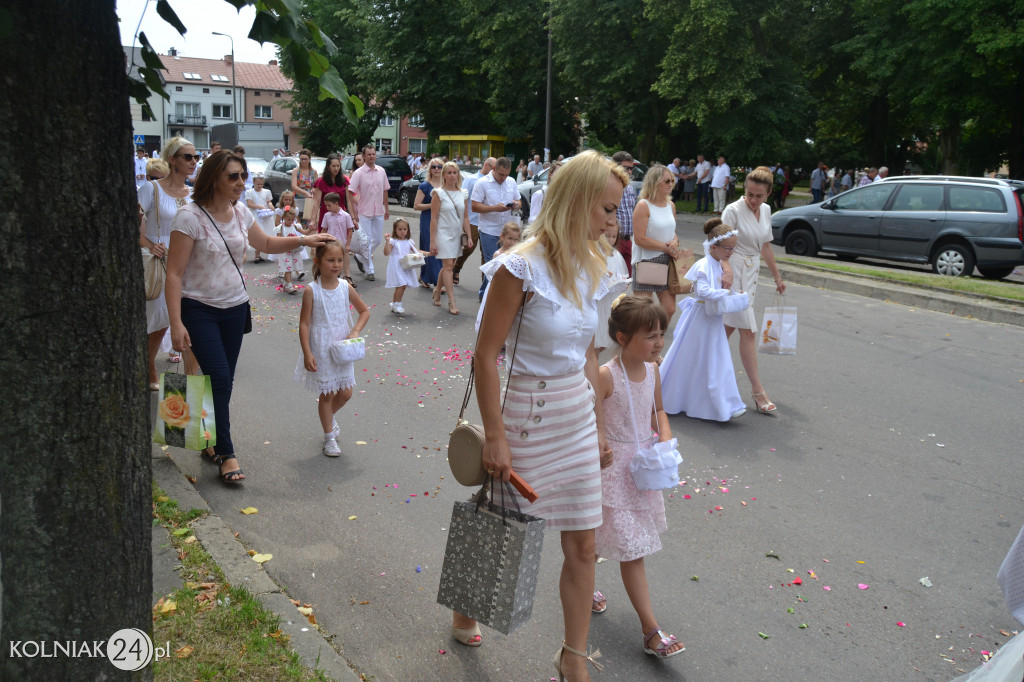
(631, 519)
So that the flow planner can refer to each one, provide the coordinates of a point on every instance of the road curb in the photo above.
(239, 569)
(893, 292)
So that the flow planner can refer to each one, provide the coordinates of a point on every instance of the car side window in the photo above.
(918, 198)
(976, 199)
(868, 198)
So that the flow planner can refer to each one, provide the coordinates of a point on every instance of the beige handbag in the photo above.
(466, 441)
(154, 269)
(650, 273)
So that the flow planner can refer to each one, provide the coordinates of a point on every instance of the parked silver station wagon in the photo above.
(951, 223)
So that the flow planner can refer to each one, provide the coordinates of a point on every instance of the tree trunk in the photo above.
(949, 145)
(75, 474)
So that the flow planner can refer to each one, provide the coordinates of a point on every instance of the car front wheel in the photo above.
(953, 260)
(801, 243)
(405, 199)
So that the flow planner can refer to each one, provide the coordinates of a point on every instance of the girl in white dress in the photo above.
(632, 519)
(618, 277)
(291, 261)
(261, 202)
(397, 245)
(325, 319)
(697, 375)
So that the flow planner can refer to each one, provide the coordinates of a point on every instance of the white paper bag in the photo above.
(778, 331)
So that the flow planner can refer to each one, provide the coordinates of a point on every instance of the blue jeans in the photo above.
(216, 336)
(703, 194)
(816, 196)
(488, 245)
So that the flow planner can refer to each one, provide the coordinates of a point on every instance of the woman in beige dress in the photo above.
(751, 216)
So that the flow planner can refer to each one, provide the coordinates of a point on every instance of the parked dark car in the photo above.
(278, 174)
(951, 223)
(407, 192)
(396, 166)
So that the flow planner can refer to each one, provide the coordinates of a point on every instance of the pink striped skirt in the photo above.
(552, 435)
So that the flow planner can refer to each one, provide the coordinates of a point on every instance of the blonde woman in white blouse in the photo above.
(556, 278)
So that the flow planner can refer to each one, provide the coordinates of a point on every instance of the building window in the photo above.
(383, 145)
(177, 88)
(145, 116)
(277, 94)
(256, 93)
(192, 76)
(218, 77)
(222, 111)
(262, 111)
(186, 109)
(206, 91)
(416, 121)
(417, 145)
(227, 92)
(387, 120)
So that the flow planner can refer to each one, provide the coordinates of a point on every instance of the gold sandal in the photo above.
(590, 659)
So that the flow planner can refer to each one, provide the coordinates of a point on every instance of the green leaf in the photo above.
(168, 15)
(763, 636)
(802, 626)
(181, 532)
(318, 64)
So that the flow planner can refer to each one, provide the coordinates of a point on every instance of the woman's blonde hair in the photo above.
(173, 146)
(652, 180)
(563, 227)
(287, 194)
(458, 173)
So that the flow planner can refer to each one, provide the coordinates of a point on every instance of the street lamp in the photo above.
(234, 103)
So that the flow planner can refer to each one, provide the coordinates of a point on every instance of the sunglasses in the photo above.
(435, 168)
(190, 157)
(233, 177)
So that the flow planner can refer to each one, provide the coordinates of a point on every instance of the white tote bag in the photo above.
(778, 330)
(655, 467)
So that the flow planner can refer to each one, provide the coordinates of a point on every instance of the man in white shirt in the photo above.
(675, 168)
(156, 154)
(534, 166)
(474, 218)
(883, 173)
(494, 198)
(720, 184)
(703, 183)
(370, 208)
(140, 167)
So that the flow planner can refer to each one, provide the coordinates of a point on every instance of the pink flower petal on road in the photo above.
(902, 625)
(826, 588)
(863, 586)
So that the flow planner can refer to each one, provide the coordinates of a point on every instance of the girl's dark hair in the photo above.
(319, 253)
(711, 224)
(333, 180)
(394, 228)
(634, 315)
(206, 181)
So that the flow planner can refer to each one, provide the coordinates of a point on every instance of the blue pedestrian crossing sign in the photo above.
(139, 139)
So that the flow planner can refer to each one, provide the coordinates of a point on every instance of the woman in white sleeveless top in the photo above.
(654, 231)
(449, 220)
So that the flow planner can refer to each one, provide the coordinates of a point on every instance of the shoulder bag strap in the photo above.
(512, 364)
(232, 258)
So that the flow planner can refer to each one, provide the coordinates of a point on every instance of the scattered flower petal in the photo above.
(863, 586)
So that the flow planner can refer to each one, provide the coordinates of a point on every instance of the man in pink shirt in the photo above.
(370, 208)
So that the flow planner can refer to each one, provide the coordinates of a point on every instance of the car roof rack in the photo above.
(997, 182)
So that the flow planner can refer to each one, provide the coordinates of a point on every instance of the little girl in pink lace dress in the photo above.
(631, 518)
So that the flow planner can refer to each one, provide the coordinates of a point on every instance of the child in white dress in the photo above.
(632, 519)
(325, 319)
(291, 261)
(397, 245)
(511, 235)
(697, 373)
(618, 280)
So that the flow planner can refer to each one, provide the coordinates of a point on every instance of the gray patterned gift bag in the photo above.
(491, 565)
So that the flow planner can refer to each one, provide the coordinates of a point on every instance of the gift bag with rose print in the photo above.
(184, 415)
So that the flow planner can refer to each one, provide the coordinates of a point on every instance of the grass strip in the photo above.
(956, 285)
(215, 630)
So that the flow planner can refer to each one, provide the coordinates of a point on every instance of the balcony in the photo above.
(181, 120)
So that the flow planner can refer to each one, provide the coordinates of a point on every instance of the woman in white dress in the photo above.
(159, 202)
(551, 428)
(751, 216)
(449, 220)
(654, 232)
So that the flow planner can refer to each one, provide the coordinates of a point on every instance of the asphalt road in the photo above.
(892, 458)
